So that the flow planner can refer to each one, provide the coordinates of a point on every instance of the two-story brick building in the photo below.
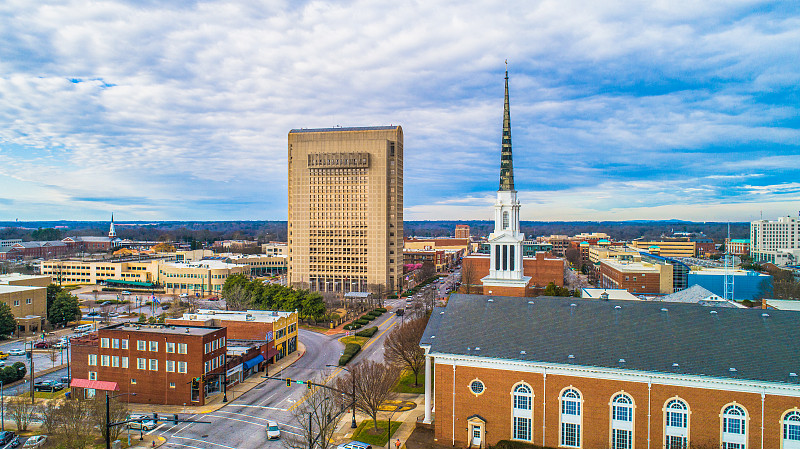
(162, 364)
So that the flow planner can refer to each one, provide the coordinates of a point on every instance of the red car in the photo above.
(42, 345)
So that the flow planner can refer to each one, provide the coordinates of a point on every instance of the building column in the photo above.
(428, 382)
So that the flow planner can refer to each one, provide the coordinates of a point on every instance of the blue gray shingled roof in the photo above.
(650, 336)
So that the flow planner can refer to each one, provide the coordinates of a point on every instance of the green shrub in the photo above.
(381, 309)
(367, 317)
(371, 316)
(361, 321)
(350, 351)
(368, 332)
(392, 296)
(508, 444)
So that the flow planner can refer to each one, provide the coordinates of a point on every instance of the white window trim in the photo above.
(570, 419)
(625, 424)
(522, 413)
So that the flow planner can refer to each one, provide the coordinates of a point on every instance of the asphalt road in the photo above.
(241, 423)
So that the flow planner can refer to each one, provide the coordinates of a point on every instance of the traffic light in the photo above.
(155, 418)
(175, 419)
(309, 385)
(288, 382)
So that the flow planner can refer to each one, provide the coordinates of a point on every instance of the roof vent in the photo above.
(675, 365)
(523, 353)
(664, 309)
(187, 330)
(469, 349)
(573, 305)
(433, 336)
(530, 302)
(792, 374)
(571, 356)
(441, 313)
(617, 307)
(765, 315)
(713, 312)
(733, 370)
(621, 360)
(477, 348)
(491, 300)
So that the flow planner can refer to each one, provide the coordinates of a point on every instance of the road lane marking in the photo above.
(168, 443)
(258, 406)
(206, 442)
(159, 426)
(372, 340)
(240, 420)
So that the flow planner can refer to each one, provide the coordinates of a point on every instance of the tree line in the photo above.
(242, 293)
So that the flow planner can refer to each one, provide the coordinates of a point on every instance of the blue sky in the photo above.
(160, 110)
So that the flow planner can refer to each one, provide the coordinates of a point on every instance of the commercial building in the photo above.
(277, 329)
(162, 364)
(639, 278)
(682, 247)
(441, 259)
(261, 264)
(29, 280)
(346, 208)
(747, 284)
(8, 243)
(740, 247)
(560, 244)
(529, 248)
(200, 277)
(437, 243)
(621, 374)
(28, 304)
(94, 272)
(680, 271)
(275, 249)
(776, 241)
(462, 231)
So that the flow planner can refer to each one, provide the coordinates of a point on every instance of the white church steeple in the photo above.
(112, 234)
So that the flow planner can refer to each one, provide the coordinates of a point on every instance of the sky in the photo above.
(620, 110)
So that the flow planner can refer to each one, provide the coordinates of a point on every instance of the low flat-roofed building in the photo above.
(162, 364)
(747, 284)
(442, 259)
(28, 304)
(200, 277)
(682, 247)
(261, 264)
(29, 280)
(639, 278)
(277, 328)
(275, 249)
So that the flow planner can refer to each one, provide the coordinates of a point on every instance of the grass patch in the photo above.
(321, 330)
(404, 383)
(47, 394)
(357, 340)
(365, 432)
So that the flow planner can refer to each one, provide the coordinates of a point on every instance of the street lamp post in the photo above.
(353, 379)
(2, 408)
(389, 429)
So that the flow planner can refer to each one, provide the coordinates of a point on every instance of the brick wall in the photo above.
(542, 269)
(494, 405)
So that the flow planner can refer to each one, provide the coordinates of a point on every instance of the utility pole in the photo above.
(33, 400)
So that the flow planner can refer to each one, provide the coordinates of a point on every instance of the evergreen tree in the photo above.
(7, 322)
(65, 308)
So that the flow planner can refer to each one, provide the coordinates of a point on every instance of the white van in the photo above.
(83, 328)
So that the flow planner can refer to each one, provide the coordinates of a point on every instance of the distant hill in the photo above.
(207, 231)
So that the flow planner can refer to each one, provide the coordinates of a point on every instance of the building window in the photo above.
(170, 347)
(622, 422)
(115, 343)
(92, 375)
(153, 346)
(93, 359)
(571, 418)
(505, 220)
(734, 427)
(791, 430)
(103, 342)
(182, 367)
(522, 413)
(676, 424)
(16, 302)
(141, 345)
(181, 348)
(133, 381)
(153, 365)
(115, 361)
(170, 366)
(476, 387)
(105, 360)
(141, 363)
(28, 301)
(124, 362)
(124, 344)
(172, 384)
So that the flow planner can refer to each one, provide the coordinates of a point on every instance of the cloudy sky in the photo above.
(180, 109)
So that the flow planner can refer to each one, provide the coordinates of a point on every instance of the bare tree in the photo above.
(53, 355)
(373, 385)
(118, 411)
(378, 292)
(236, 298)
(469, 277)
(22, 411)
(402, 346)
(316, 420)
(74, 424)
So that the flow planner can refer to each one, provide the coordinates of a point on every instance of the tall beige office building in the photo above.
(346, 208)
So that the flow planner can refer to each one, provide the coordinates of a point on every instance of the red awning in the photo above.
(95, 384)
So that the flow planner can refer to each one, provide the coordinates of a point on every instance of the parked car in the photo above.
(35, 441)
(126, 292)
(2, 363)
(214, 298)
(105, 303)
(3, 355)
(16, 442)
(184, 295)
(273, 433)
(65, 380)
(16, 351)
(93, 313)
(42, 345)
(145, 424)
(48, 385)
(6, 437)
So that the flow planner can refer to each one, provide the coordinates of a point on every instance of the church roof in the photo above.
(651, 336)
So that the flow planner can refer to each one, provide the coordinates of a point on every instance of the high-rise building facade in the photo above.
(776, 241)
(346, 208)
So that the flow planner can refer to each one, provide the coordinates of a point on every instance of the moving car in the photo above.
(16, 351)
(146, 423)
(48, 385)
(273, 433)
(3, 355)
(42, 345)
(35, 441)
(354, 445)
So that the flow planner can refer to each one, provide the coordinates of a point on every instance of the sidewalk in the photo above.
(215, 403)
(344, 433)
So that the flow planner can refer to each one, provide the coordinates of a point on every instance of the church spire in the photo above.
(112, 233)
(506, 162)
